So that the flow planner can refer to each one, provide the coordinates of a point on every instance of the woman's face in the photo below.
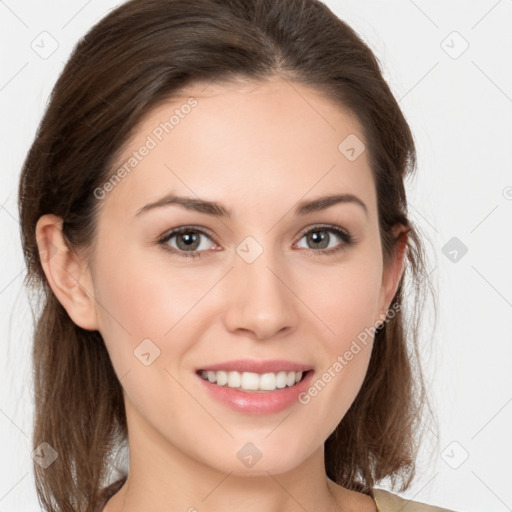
(269, 281)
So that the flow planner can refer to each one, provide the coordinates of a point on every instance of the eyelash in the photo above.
(347, 238)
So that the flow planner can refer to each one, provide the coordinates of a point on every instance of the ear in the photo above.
(67, 274)
(393, 271)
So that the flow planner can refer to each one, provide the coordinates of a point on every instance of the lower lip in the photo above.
(258, 402)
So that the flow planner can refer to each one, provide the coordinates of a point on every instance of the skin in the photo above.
(257, 148)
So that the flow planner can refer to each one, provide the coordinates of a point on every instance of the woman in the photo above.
(192, 156)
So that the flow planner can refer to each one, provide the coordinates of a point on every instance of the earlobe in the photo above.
(67, 274)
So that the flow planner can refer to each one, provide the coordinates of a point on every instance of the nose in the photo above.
(260, 300)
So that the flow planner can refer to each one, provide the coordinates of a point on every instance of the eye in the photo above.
(321, 239)
(189, 241)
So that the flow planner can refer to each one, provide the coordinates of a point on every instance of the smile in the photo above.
(252, 386)
(251, 381)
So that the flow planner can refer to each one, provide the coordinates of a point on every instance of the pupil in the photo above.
(317, 237)
(188, 239)
(320, 239)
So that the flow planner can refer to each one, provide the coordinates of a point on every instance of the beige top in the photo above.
(388, 502)
(385, 501)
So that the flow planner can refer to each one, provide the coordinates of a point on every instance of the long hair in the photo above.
(140, 55)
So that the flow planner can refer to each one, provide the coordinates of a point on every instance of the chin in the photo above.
(260, 469)
(249, 461)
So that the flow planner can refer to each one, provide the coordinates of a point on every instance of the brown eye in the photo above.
(319, 239)
(187, 242)
(322, 239)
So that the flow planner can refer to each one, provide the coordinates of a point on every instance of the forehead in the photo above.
(241, 141)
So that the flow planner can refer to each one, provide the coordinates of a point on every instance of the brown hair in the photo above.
(138, 56)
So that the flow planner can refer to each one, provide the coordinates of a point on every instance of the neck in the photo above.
(163, 478)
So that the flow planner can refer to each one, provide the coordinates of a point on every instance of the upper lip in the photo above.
(257, 366)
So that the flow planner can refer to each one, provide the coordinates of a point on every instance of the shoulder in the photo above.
(389, 502)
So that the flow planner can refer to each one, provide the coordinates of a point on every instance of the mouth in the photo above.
(256, 387)
(252, 382)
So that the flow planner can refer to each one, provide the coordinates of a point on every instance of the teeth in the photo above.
(222, 378)
(234, 379)
(249, 381)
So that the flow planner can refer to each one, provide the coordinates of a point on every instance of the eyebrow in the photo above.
(218, 210)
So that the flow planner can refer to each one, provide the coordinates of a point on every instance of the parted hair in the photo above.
(137, 57)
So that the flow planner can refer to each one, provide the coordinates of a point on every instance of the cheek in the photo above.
(145, 322)
(345, 300)
(149, 311)
(346, 305)
(144, 297)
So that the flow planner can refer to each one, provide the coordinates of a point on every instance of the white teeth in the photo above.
(234, 379)
(250, 381)
(268, 382)
(222, 378)
(281, 380)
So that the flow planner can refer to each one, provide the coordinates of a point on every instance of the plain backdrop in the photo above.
(449, 65)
